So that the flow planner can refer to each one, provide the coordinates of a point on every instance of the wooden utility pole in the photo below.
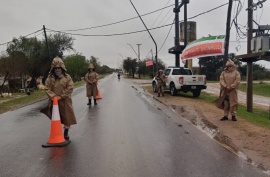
(49, 56)
(228, 30)
(249, 64)
(44, 29)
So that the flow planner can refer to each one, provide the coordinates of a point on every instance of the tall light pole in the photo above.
(149, 34)
(139, 51)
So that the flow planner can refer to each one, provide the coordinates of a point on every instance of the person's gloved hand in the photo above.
(228, 89)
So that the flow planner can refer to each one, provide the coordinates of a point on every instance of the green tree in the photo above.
(36, 53)
(12, 66)
(95, 62)
(212, 66)
(76, 65)
(259, 72)
(129, 66)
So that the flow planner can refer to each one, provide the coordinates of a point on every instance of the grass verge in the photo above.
(258, 117)
(258, 88)
(21, 99)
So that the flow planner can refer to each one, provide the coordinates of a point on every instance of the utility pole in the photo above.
(139, 51)
(156, 57)
(177, 49)
(249, 64)
(227, 37)
(176, 39)
(44, 29)
(185, 32)
(49, 56)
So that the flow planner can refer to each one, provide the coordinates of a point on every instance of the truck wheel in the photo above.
(154, 86)
(173, 90)
(196, 93)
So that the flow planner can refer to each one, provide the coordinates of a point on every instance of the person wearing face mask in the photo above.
(59, 84)
(229, 80)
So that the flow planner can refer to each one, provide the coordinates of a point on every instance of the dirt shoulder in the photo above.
(243, 138)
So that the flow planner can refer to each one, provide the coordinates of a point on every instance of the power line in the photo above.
(190, 18)
(106, 35)
(121, 34)
(119, 22)
(156, 19)
(24, 36)
(208, 11)
(161, 22)
(109, 24)
(166, 36)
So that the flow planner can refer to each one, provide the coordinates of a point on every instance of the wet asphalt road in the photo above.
(128, 134)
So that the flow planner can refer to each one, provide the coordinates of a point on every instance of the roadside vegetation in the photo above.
(261, 88)
(22, 99)
(258, 116)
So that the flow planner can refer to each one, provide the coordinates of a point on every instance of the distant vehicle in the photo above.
(182, 79)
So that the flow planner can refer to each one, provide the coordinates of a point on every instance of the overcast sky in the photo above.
(19, 18)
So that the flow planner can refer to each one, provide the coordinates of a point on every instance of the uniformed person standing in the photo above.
(229, 80)
(91, 79)
(59, 84)
(161, 80)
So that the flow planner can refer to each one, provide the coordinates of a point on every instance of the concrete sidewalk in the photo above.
(213, 89)
(260, 101)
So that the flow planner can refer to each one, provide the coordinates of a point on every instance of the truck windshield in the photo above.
(181, 71)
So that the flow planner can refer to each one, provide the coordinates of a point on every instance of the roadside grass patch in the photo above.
(261, 88)
(22, 100)
(258, 117)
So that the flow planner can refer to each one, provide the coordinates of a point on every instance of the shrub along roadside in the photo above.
(258, 117)
(23, 99)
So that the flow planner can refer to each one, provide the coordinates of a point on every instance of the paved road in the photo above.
(127, 134)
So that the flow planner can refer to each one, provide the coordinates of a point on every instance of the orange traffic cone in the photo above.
(98, 96)
(56, 138)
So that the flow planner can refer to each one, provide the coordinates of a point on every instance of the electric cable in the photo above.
(126, 33)
(166, 36)
(109, 24)
(23, 36)
(155, 21)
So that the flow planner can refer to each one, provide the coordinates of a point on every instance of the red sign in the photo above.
(215, 48)
(149, 63)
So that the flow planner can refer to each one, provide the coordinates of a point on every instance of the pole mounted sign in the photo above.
(203, 47)
(149, 63)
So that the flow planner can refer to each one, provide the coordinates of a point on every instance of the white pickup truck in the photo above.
(182, 79)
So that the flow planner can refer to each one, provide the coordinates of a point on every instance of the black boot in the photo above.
(89, 102)
(66, 134)
(95, 101)
(224, 118)
(158, 95)
(234, 118)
